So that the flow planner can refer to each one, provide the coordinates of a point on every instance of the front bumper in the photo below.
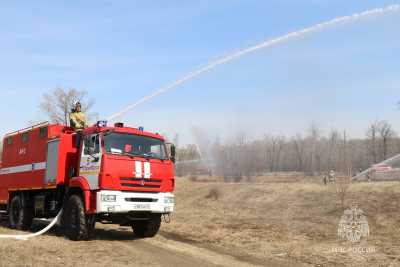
(133, 201)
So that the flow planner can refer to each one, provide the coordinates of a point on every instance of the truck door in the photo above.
(52, 161)
(91, 160)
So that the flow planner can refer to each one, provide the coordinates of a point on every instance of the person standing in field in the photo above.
(77, 118)
(332, 176)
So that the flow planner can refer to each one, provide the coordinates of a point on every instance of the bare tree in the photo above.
(372, 141)
(58, 104)
(273, 147)
(315, 157)
(188, 153)
(332, 149)
(386, 133)
(299, 146)
(189, 160)
(379, 136)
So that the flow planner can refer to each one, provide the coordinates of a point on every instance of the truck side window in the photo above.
(95, 140)
(25, 137)
(92, 145)
(9, 141)
(43, 132)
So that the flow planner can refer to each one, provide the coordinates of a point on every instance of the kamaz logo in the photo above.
(22, 151)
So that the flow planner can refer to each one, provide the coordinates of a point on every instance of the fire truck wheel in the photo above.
(77, 224)
(147, 228)
(20, 216)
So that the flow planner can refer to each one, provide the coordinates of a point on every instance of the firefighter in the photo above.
(77, 117)
(332, 176)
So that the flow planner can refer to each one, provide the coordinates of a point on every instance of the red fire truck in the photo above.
(118, 174)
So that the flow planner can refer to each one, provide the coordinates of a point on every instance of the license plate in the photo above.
(141, 206)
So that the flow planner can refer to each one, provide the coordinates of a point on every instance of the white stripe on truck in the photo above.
(147, 173)
(24, 168)
(138, 169)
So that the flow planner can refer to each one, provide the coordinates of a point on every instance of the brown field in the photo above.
(288, 217)
(277, 220)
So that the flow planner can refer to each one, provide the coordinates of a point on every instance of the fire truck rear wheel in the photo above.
(147, 228)
(77, 225)
(20, 216)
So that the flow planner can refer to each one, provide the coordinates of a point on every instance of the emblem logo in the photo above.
(22, 151)
(353, 225)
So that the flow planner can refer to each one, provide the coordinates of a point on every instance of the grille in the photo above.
(137, 183)
(135, 199)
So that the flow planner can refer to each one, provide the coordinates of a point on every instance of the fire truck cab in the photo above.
(118, 174)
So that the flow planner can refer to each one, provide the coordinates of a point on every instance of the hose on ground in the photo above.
(27, 236)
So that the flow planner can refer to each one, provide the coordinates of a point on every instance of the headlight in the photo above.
(108, 198)
(168, 200)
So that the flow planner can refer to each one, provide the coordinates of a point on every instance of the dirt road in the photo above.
(112, 246)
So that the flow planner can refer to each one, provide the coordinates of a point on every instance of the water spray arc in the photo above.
(266, 44)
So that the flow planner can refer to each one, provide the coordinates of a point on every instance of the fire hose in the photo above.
(27, 236)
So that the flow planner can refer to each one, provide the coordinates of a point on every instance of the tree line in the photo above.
(311, 153)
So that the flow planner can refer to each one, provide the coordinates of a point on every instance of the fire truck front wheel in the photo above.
(148, 228)
(20, 215)
(77, 225)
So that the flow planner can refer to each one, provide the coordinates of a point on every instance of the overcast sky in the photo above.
(119, 51)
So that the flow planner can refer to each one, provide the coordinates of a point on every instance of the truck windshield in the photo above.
(136, 145)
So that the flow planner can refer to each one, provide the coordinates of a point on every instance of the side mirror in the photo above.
(171, 151)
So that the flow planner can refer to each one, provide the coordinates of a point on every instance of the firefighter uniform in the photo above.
(78, 120)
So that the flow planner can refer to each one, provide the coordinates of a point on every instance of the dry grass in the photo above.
(297, 219)
(214, 193)
(50, 251)
(284, 217)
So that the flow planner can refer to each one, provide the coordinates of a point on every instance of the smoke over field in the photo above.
(313, 153)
